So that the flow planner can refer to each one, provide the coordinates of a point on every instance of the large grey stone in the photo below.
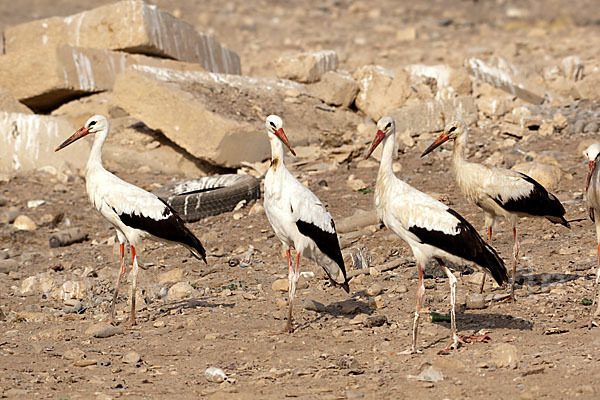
(132, 26)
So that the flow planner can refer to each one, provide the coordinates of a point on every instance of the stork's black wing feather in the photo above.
(466, 244)
(171, 228)
(327, 242)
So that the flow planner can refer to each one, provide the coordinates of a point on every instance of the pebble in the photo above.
(354, 394)
(313, 305)
(8, 265)
(24, 223)
(74, 354)
(376, 320)
(158, 324)
(172, 276)
(35, 203)
(131, 358)
(85, 362)
(504, 355)
(374, 290)
(376, 303)
(103, 330)
(475, 301)
(256, 209)
(280, 285)
(9, 216)
(428, 374)
(180, 290)
(214, 374)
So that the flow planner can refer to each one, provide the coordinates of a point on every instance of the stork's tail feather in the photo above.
(494, 264)
(559, 220)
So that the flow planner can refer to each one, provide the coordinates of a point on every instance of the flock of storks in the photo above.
(301, 221)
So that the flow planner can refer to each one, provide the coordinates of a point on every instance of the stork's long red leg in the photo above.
(452, 282)
(420, 292)
(134, 272)
(596, 312)
(288, 324)
(484, 273)
(121, 273)
(514, 270)
(292, 281)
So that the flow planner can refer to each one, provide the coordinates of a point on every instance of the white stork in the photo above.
(429, 227)
(592, 190)
(134, 212)
(498, 192)
(299, 218)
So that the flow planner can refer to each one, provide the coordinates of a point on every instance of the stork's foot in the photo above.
(410, 351)
(288, 327)
(511, 299)
(475, 338)
(457, 342)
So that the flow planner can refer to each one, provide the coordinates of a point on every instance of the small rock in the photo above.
(313, 305)
(180, 290)
(131, 358)
(336, 88)
(280, 285)
(24, 223)
(374, 290)
(85, 362)
(9, 216)
(504, 355)
(238, 216)
(73, 290)
(401, 289)
(354, 394)
(428, 374)
(546, 129)
(306, 67)
(214, 374)
(256, 209)
(376, 303)
(356, 184)
(376, 320)
(560, 121)
(8, 265)
(350, 307)
(172, 276)
(158, 324)
(35, 203)
(74, 354)
(475, 301)
(103, 330)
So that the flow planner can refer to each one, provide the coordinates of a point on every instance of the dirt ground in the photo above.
(234, 319)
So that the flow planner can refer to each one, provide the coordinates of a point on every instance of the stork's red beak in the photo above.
(378, 138)
(77, 135)
(443, 138)
(281, 135)
(591, 169)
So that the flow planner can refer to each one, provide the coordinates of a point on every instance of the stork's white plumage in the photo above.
(592, 196)
(134, 212)
(497, 191)
(299, 218)
(429, 227)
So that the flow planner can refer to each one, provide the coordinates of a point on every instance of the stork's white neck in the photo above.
(95, 159)
(277, 151)
(460, 145)
(387, 154)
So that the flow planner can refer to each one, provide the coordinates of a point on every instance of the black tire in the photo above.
(211, 195)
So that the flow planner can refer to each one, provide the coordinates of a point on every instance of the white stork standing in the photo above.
(592, 190)
(498, 192)
(429, 227)
(299, 218)
(134, 212)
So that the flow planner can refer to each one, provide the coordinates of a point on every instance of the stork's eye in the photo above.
(272, 124)
(388, 126)
(452, 129)
(92, 123)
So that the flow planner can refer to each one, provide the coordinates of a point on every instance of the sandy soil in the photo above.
(233, 320)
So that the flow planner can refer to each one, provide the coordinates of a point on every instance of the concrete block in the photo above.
(418, 118)
(27, 142)
(44, 78)
(505, 76)
(10, 104)
(132, 26)
(187, 117)
(306, 67)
